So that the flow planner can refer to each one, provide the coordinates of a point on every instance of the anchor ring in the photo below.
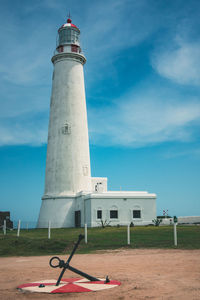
(57, 259)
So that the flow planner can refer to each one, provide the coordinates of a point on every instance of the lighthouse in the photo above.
(68, 159)
(72, 197)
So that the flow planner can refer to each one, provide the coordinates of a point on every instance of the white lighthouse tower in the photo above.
(68, 159)
(72, 197)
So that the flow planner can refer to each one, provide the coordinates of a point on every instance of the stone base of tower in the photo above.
(59, 211)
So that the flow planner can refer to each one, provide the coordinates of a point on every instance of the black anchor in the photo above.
(56, 262)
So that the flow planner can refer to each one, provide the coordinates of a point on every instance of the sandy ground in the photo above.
(144, 274)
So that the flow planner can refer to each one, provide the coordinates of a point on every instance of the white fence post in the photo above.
(175, 234)
(85, 233)
(128, 235)
(4, 227)
(49, 230)
(18, 227)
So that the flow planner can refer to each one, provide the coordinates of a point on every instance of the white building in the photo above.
(72, 197)
(189, 220)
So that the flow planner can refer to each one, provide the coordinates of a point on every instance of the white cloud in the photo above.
(27, 45)
(25, 61)
(174, 152)
(114, 26)
(179, 62)
(135, 120)
(107, 28)
(28, 131)
(144, 119)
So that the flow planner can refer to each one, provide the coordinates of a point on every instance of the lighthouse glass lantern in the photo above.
(68, 38)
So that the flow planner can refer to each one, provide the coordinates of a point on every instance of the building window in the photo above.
(136, 214)
(113, 214)
(99, 214)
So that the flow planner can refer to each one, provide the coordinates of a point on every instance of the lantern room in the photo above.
(68, 38)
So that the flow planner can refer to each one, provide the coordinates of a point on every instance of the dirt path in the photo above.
(144, 274)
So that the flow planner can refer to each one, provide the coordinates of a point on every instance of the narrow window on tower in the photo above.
(85, 170)
(66, 129)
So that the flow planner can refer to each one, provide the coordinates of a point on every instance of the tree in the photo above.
(105, 223)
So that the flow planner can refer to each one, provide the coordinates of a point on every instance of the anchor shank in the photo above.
(66, 266)
(75, 247)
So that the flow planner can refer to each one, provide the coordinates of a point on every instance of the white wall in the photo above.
(99, 184)
(125, 210)
(189, 219)
(68, 159)
(60, 211)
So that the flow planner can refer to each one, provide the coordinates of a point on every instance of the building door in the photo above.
(77, 218)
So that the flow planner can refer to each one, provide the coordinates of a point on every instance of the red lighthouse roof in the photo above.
(68, 24)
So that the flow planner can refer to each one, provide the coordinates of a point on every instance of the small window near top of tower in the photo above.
(74, 48)
(136, 214)
(99, 214)
(113, 214)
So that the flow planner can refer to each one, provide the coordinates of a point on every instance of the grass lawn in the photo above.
(35, 241)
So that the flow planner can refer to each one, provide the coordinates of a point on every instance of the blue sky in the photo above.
(142, 80)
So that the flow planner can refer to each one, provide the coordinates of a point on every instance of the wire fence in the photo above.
(25, 224)
(30, 240)
(29, 225)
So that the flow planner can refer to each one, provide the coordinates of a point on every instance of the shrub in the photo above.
(157, 221)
